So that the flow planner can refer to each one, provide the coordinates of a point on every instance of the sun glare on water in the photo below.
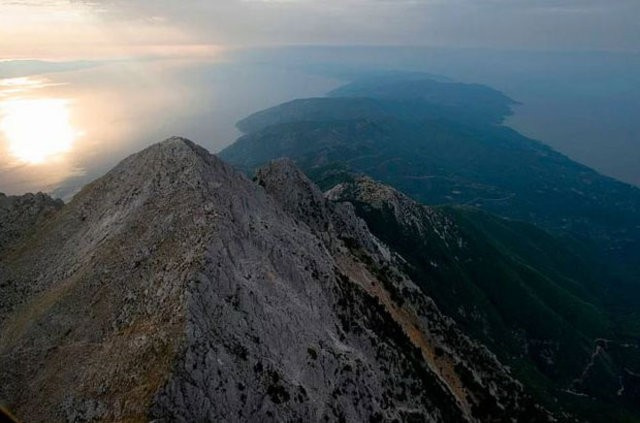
(37, 130)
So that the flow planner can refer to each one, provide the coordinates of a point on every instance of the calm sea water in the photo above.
(585, 105)
(118, 108)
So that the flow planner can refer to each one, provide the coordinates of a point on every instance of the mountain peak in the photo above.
(285, 181)
(177, 140)
(174, 167)
(171, 150)
(176, 273)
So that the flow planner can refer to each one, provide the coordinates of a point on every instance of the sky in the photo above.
(64, 29)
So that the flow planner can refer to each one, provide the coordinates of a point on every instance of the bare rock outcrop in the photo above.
(176, 289)
(20, 215)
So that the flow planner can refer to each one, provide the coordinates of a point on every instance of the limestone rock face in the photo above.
(421, 219)
(20, 218)
(176, 289)
(19, 215)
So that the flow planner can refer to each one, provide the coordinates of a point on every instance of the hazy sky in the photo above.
(101, 110)
(87, 28)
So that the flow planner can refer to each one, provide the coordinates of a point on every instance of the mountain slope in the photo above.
(469, 102)
(383, 98)
(389, 130)
(440, 162)
(553, 288)
(173, 288)
(20, 215)
(524, 293)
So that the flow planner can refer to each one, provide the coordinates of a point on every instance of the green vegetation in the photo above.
(529, 296)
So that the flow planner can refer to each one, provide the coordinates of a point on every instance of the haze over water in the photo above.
(61, 130)
(112, 77)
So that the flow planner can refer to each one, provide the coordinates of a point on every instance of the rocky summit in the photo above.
(176, 289)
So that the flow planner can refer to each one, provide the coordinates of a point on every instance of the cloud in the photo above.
(544, 24)
(512, 24)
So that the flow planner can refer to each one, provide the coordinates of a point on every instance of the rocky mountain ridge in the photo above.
(176, 289)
